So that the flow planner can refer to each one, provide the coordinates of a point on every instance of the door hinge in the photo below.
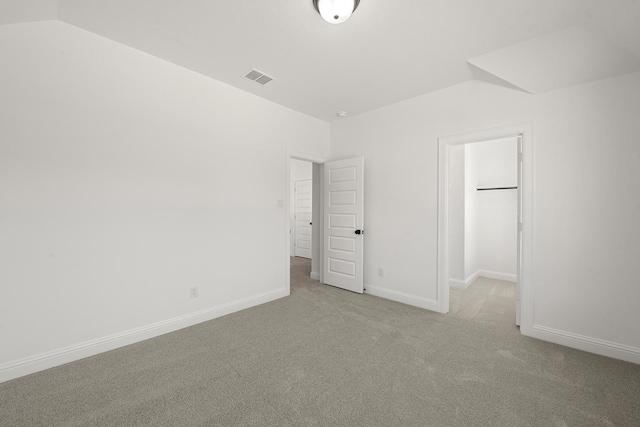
(519, 226)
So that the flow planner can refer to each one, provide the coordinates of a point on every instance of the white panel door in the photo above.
(302, 218)
(343, 223)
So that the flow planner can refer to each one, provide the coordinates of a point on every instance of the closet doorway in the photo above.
(485, 216)
(483, 230)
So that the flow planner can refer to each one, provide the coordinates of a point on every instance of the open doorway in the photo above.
(337, 221)
(301, 209)
(450, 147)
(483, 230)
(303, 217)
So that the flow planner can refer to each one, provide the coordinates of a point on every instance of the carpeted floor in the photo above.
(327, 357)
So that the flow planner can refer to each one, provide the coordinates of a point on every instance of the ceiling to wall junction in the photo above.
(387, 51)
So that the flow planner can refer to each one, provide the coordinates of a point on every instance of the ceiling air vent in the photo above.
(258, 77)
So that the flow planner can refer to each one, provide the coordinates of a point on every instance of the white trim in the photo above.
(589, 344)
(306, 157)
(469, 280)
(508, 277)
(30, 365)
(402, 297)
(525, 130)
(458, 284)
(464, 284)
(314, 275)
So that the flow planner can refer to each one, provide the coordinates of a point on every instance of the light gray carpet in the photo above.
(327, 357)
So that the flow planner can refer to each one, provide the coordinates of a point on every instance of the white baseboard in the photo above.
(497, 275)
(421, 302)
(30, 365)
(469, 280)
(508, 277)
(315, 275)
(458, 284)
(589, 344)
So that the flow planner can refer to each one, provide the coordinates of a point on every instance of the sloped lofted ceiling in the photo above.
(387, 52)
(14, 11)
(553, 61)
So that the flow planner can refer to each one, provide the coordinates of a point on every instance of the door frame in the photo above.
(525, 131)
(317, 248)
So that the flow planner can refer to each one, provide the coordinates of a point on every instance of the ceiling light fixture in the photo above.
(335, 11)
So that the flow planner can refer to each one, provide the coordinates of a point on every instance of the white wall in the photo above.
(491, 216)
(125, 180)
(316, 215)
(299, 170)
(586, 204)
(472, 222)
(457, 216)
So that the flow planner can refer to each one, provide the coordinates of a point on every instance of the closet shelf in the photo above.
(496, 188)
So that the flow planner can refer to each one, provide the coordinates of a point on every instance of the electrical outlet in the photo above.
(193, 291)
(380, 271)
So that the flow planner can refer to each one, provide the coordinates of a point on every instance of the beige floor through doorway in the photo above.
(485, 300)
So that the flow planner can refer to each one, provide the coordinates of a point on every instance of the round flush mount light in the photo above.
(335, 11)
(341, 114)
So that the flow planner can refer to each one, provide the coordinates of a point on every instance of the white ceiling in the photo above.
(556, 60)
(15, 11)
(387, 52)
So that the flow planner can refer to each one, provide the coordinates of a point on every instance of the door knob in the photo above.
(359, 232)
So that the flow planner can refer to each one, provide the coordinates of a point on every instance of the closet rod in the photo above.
(497, 188)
